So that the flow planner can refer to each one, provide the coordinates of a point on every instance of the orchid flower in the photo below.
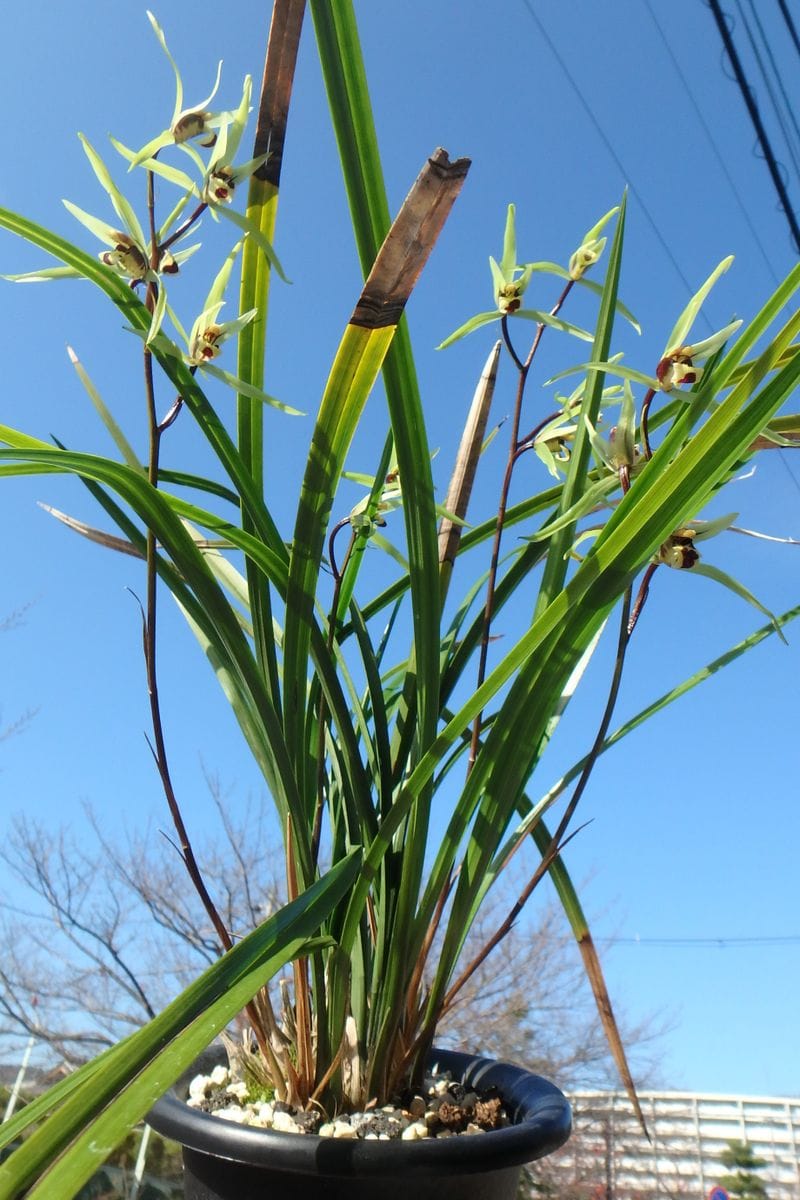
(679, 362)
(510, 280)
(680, 553)
(208, 334)
(222, 176)
(185, 123)
(619, 452)
(591, 248)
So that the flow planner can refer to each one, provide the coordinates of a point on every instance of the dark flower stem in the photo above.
(643, 423)
(184, 228)
(156, 429)
(322, 716)
(516, 446)
(559, 838)
(641, 597)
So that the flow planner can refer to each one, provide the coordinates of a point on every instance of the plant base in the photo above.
(209, 1178)
(224, 1161)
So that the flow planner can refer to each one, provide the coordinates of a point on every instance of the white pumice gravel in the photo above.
(442, 1108)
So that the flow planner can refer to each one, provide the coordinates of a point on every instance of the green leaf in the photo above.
(66, 1149)
(120, 441)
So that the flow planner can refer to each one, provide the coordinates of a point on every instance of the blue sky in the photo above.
(694, 825)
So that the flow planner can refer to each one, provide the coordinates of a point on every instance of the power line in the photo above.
(767, 83)
(776, 72)
(789, 24)
(606, 142)
(709, 943)
(755, 117)
(633, 189)
(712, 142)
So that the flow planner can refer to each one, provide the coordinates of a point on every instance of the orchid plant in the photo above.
(364, 704)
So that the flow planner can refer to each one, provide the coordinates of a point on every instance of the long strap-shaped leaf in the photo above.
(205, 600)
(555, 570)
(98, 1111)
(351, 112)
(168, 356)
(545, 656)
(262, 209)
(355, 369)
(418, 713)
(566, 627)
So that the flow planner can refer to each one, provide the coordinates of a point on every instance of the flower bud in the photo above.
(585, 256)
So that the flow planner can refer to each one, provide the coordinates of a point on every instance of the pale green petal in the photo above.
(157, 30)
(687, 318)
(543, 318)
(595, 231)
(611, 368)
(469, 326)
(707, 529)
(158, 313)
(712, 343)
(120, 441)
(152, 147)
(217, 292)
(203, 105)
(122, 206)
(45, 275)
(255, 233)
(247, 389)
(738, 589)
(171, 174)
(237, 126)
(100, 229)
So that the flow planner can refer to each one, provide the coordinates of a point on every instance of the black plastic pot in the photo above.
(225, 1161)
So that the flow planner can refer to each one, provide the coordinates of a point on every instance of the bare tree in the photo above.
(12, 621)
(530, 1003)
(97, 940)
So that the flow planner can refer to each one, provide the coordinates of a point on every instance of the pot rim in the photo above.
(540, 1112)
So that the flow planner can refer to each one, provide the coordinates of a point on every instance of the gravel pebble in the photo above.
(447, 1109)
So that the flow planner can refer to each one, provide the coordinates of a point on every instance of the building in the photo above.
(609, 1158)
